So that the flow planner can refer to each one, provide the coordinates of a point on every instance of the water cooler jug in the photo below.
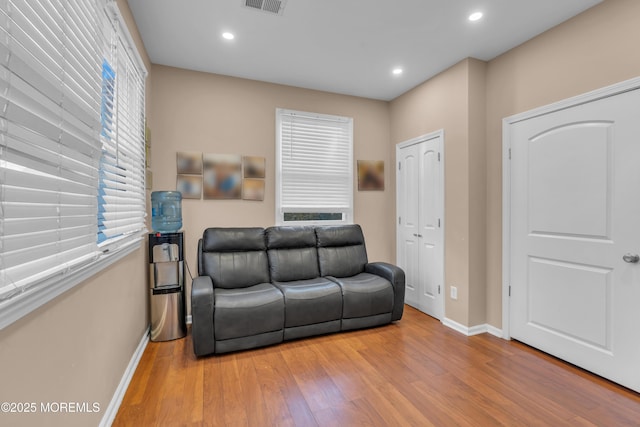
(166, 211)
(166, 276)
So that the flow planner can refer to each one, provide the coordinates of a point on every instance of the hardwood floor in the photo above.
(416, 372)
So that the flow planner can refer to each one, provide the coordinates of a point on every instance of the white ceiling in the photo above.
(342, 46)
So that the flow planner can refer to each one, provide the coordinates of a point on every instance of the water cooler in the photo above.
(166, 276)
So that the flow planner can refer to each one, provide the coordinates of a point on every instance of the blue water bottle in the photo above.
(166, 211)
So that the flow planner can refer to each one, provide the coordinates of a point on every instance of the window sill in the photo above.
(19, 306)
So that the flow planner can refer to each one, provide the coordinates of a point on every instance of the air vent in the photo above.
(270, 6)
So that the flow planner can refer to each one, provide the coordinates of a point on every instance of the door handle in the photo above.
(417, 235)
(631, 258)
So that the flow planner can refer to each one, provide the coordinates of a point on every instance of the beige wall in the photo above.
(208, 113)
(76, 348)
(477, 194)
(447, 102)
(469, 101)
(597, 48)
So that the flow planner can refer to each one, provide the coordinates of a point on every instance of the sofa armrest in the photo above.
(202, 306)
(395, 275)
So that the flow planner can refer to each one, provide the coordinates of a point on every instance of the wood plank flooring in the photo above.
(415, 372)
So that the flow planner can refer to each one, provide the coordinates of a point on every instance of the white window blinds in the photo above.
(122, 190)
(51, 91)
(315, 172)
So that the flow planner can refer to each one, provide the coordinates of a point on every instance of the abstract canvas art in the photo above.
(370, 175)
(189, 163)
(254, 167)
(190, 186)
(222, 176)
(253, 189)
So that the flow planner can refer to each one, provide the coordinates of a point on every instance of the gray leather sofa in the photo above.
(257, 287)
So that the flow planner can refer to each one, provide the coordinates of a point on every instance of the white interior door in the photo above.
(575, 233)
(420, 232)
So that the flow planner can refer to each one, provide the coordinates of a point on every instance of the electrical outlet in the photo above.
(454, 292)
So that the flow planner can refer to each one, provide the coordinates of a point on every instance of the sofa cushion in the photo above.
(236, 269)
(233, 239)
(292, 253)
(339, 235)
(341, 250)
(311, 301)
(286, 237)
(234, 257)
(250, 311)
(365, 295)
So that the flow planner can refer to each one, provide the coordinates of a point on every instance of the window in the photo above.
(53, 144)
(315, 168)
(121, 197)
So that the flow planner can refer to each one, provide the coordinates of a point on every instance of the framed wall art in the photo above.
(190, 186)
(253, 189)
(221, 176)
(370, 175)
(254, 167)
(189, 163)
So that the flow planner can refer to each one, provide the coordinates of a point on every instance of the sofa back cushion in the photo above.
(233, 257)
(341, 250)
(292, 253)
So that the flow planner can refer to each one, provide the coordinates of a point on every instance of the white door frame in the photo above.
(400, 146)
(605, 92)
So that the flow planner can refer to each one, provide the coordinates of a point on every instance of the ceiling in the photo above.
(341, 46)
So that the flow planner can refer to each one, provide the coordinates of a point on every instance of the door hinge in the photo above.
(509, 290)
(438, 222)
(509, 153)
(399, 220)
(438, 156)
(438, 289)
(399, 166)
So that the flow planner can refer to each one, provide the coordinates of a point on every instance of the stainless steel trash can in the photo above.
(166, 287)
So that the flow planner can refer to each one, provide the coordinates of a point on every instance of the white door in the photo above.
(420, 237)
(575, 235)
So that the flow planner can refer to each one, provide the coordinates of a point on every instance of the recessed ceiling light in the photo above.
(228, 36)
(475, 16)
(397, 71)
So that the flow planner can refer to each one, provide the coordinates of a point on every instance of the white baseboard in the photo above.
(116, 400)
(473, 330)
(495, 331)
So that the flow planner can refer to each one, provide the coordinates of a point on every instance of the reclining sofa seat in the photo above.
(235, 304)
(368, 289)
(313, 304)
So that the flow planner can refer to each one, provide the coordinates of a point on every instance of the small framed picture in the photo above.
(190, 186)
(370, 175)
(254, 167)
(253, 189)
(189, 163)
